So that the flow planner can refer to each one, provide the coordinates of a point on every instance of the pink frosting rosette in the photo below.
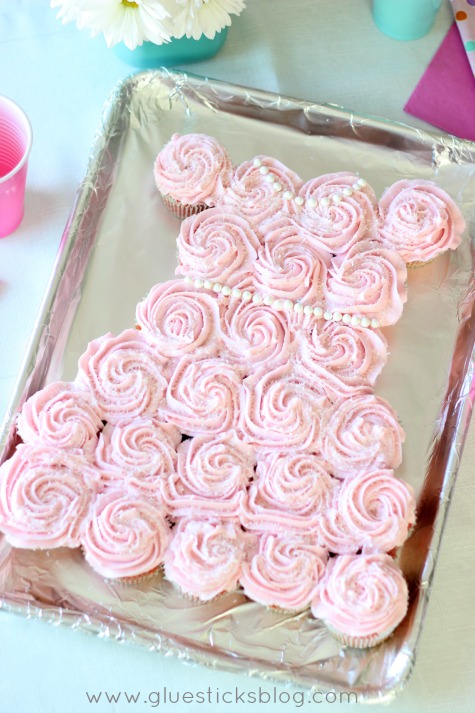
(419, 220)
(45, 494)
(125, 375)
(284, 572)
(289, 265)
(212, 475)
(125, 535)
(361, 598)
(289, 494)
(138, 454)
(279, 410)
(338, 210)
(62, 415)
(361, 434)
(203, 396)
(258, 189)
(333, 531)
(378, 509)
(342, 357)
(179, 319)
(216, 245)
(255, 335)
(204, 559)
(369, 281)
(193, 168)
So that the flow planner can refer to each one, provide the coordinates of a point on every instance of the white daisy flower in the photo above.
(194, 18)
(128, 21)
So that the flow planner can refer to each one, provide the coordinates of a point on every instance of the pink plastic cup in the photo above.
(15, 145)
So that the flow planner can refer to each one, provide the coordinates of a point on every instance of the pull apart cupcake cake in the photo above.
(232, 437)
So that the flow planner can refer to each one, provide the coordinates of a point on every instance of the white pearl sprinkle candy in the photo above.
(299, 200)
(277, 186)
(361, 183)
(356, 186)
(280, 304)
(270, 178)
(257, 162)
(336, 198)
(325, 202)
(347, 191)
(311, 203)
(288, 195)
(264, 170)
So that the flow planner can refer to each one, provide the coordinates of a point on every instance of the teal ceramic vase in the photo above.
(179, 51)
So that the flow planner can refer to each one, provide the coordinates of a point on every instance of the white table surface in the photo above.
(322, 50)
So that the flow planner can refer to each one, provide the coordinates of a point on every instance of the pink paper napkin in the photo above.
(445, 95)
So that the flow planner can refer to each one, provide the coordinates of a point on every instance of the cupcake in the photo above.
(191, 173)
(204, 558)
(124, 536)
(62, 415)
(420, 221)
(45, 494)
(284, 572)
(361, 599)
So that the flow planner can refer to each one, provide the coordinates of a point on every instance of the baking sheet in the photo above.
(120, 240)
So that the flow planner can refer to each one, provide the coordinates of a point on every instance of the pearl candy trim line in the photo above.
(311, 203)
(278, 304)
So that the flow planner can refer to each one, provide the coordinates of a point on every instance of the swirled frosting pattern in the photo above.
(253, 192)
(256, 335)
(419, 220)
(284, 572)
(370, 280)
(336, 211)
(193, 168)
(362, 434)
(378, 509)
(278, 410)
(289, 265)
(216, 245)
(203, 396)
(343, 357)
(204, 559)
(178, 319)
(125, 535)
(125, 375)
(362, 597)
(61, 415)
(45, 494)
(138, 454)
(289, 494)
(212, 475)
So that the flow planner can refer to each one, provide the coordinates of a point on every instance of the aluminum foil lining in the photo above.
(120, 240)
